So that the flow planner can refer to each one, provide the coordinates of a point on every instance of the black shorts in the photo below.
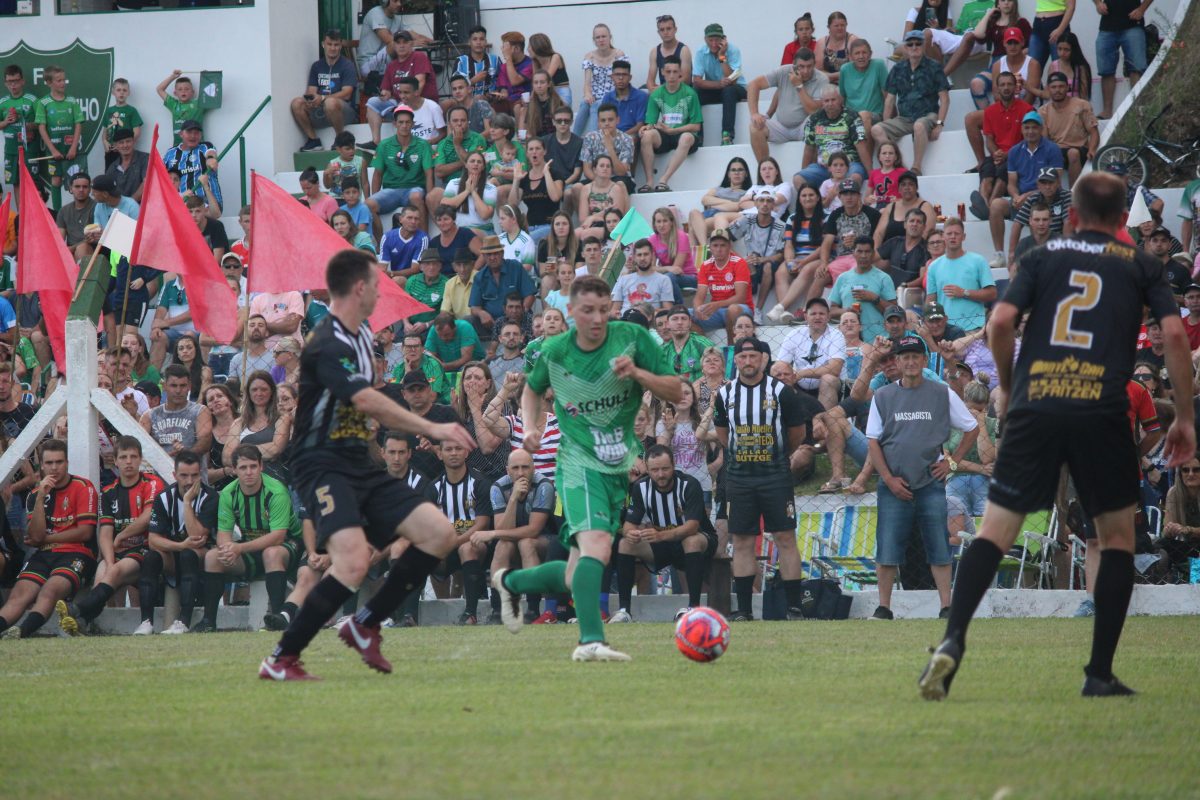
(1083, 152)
(988, 169)
(670, 141)
(1097, 448)
(373, 501)
(670, 554)
(771, 498)
(77, 568)
(138, 554)
(135, 309)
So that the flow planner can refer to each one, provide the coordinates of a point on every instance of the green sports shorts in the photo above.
(256, 570)
(591, 504)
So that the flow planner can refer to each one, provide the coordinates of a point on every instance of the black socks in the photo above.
(1114, 587)
(321, 603)
(975, 573)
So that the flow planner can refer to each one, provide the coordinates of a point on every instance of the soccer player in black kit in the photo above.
(1066, 403)
(352, 502)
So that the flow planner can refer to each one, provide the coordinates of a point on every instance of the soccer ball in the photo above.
(702, 634)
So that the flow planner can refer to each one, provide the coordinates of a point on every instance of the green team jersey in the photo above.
(686, 362)
(181, 112)
(674, 109)
(595, 408)
(431, 296)
(120, 117)
(970, 14)
(269, 509)
(60, 118)
(18, 134)
(433, 371)
(446, 154)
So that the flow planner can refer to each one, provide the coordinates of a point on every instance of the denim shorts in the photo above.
(1109, 45)
(391, 199)
(927, 510)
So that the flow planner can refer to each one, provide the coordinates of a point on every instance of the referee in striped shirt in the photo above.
(760, 422)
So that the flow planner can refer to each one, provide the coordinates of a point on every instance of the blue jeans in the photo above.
(679, 283)
(927, 510)
(564, 94)
(815, 174)
(391, 199)
(538, 232)
(971, 490)
(1109, 45)
(585, 118)
(1039, 41)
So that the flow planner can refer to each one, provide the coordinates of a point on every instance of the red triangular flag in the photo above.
(292, 246)
(44, 264)
(167, 239)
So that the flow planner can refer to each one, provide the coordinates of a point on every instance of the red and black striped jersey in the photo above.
(120, 505)
(69, 507)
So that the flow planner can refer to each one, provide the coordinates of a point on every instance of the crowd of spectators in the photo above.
(500, 195)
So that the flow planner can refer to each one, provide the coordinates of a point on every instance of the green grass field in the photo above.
(805, 709)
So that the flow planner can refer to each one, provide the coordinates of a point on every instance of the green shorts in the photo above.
(256, 570)
(65, 169)
(595, 504)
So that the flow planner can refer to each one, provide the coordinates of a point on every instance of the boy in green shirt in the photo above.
(674, 122)
(598, 372)
(119, 116)
(60, 124)
(16, 121)
(183, 104)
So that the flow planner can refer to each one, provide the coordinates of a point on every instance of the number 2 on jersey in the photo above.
(1063, 334)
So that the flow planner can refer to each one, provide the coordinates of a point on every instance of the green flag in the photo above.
(210, 90)
(633, 226)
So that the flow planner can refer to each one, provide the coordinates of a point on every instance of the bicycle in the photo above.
(1134, 159)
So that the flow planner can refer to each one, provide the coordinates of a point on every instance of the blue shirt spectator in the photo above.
(707, 66)
(1032, 155)
(631, 111)
(400, 252)
(126, 205)
(332, 78)
(489, 290)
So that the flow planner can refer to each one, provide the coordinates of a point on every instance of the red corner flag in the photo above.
(167, 239)
(44, 265)
(292, 246)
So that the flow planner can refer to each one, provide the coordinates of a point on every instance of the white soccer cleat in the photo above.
(145, 629)
(621, 616)
(176, 627)
(681, 612)
(510, 604)
(598, 651)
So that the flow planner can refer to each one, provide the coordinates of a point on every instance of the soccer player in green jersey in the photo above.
(598, 373)
(60, 123)
(16, 121)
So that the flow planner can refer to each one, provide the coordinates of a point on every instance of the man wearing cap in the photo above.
(908, 423)
(403, 169)
(456, 297)
(682, 346)
(841, 230)
(1158, 245)
(1153, 202)
(960, 281)
(798, 89)
(999, 132)
(762, 238)
(644, 284)
(833, 129)
(413, 358)
(723, 286)
(1122, 30)
(759, 422)
(193, 158)
(129, 168)
(109, 199)
(1050, 192)
(328, 100)
(939, 335)
(816, 352)
(418, 396)
(429, 287)
(1025, 162)
(717, 77)
(866, 290)
(498, 278)
(1071, 124)
(918, 99)
(903, 257)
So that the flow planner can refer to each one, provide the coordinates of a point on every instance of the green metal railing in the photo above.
(240, 140)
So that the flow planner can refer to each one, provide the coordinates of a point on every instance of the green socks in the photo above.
(548, 578)
(585, 589)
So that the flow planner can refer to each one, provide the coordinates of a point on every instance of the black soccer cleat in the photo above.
(276, 620)
(940, 671)
(1100, 687)
(741, 616)
(203, 626)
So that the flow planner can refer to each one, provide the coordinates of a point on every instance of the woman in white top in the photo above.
(597, 78)
(518, 244)
(770, 177)
(472, 196)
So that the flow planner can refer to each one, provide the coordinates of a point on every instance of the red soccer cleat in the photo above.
(547, 618)
(284, 668)
(366, 641)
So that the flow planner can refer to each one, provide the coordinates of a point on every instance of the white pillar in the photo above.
(83, 423)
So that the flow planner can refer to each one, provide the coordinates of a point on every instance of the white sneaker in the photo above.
(510, 604)
(598, 651)
(175, 628)
(342, 620)
(621, 616)
(787, 318)
(776, 313)
(681, 612)
(757, 317)
(998, 261)
(145, 629)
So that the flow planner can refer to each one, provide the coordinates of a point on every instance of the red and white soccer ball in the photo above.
(702, 634)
